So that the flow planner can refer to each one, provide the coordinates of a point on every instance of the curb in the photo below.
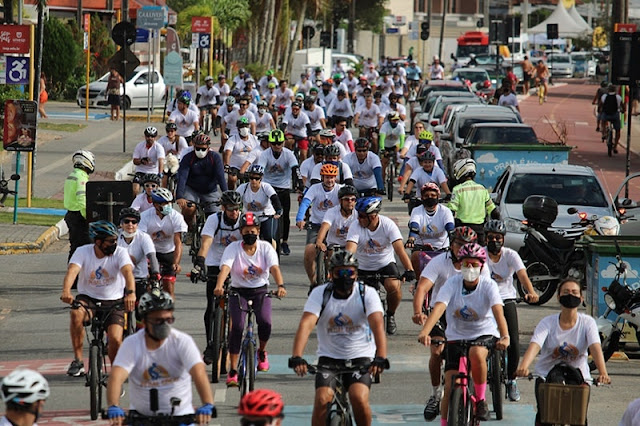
(44, 240)
(156, 118)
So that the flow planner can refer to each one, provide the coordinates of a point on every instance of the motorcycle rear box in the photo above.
(540, 209)
(563, 404)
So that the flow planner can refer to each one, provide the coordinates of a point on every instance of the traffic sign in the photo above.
(308, 32)
(204, 41)
(392, 30)
(142, 35)
(87, 21)
(124, 33)
(173, 69)
(124, 61)
(85, 41)
(17, 70)
(151, 17)
(625, 28)
(399, 21)
(200, 24)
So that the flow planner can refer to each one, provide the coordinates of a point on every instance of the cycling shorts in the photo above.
(613, 118)
(455, 351)
(312, 233)
(327, 366)
(197, 197)
(138, 177)
(166, 264)
(438, 330)
(116, 317)
(389, 270)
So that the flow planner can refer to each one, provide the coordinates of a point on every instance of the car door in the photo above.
(140, 90)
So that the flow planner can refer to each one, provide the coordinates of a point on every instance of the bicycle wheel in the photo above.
(544, 288)
(335, 418)
(495, 382)
(248, 360)
(457, 410)
(95, 389)
(216, 342)
(390, 181)
(206, 125)
(609, 142)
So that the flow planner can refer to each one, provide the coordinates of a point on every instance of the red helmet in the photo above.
(249, 219)
(464, 234)
(261, 403)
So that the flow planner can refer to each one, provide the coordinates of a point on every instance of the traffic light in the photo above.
(497, 33)
(335, 40)
(552, 31)
(424, 34)
(325, 38)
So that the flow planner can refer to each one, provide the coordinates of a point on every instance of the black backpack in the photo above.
(565, 373)
(610, 104)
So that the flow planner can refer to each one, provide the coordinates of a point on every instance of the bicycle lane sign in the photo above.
(17, 70)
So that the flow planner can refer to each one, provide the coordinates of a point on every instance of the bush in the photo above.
(256, 70)
(60, 56)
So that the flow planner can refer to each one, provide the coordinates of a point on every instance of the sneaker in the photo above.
(284, 248)
(512, 391)
(482, 410)
(391, 325)
(263, 361)
(207, 356)
(232, 379)
(76, 368)
(432, 409)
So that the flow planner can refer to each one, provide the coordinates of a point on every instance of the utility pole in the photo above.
(444, 15)
(525, 17)
(351, 29)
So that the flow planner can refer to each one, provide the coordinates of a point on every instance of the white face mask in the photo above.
(128, 235)
(262, 111)
(470, 273)
(244, 132)
(201, 154)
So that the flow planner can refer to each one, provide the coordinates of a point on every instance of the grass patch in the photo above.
(36, 202)
(30, 219)
(61, 127)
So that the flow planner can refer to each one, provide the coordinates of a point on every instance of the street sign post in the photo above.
(173, 69)
(151, 17)
(14, 39)
(200, 24)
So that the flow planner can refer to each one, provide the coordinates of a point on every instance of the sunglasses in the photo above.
(231, 209)
(361, 150)
(255, 177)
(150, 185)
(201, 149)
(244, 104)
(277, 143)
(110, 241)
(160, 321)
(129, 221)
(495, 238)
(344, 273)
(471, 263)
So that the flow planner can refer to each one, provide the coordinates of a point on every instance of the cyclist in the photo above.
(264, 81)
(165, 226)
(368, 120)
(427, 173)
(611, 106)
(24, 392)
(363, 89)
(223, 88)
(148, 157)
(382, 106)
(542, 75)
(366, 169)
(143, 201)
(414, 75)
(384, 83)
(296, 124)
(264, 120)
(75, 199)
(321, 198)
(399, 86)
(395, 106)
(160, 357)
(254, 156)
(352, 84)
(328, 137)
(371, 74)
(237, 150)
(343, 134)
(503, 263)
(251, 92)
(249, 263)
(238, 80)
(412, 164)
(260, 198)
(391, 140)
(208, 98)
(307, 166)
(231, 120)
(473, 308)
(303, 85)
(342, 346)
(327, 94)
(331, 156)
(200, 175)
(172, 143)
(565, 338)
(261, 407)
(105, 275)
(340, 108)
(470, 201)
(429, 224)
(186, 119)
(229, 107)
(597, 100)
(374, 240)
(316, 117)
(436, 70)
(283, 97)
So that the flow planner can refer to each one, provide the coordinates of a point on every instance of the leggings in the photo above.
(212, 278)
(513, 351)
(269, 230)
(262, 308)
(285, 200)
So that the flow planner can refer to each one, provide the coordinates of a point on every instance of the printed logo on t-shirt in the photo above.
(325, 205)
(373, 246)
(466, 314)
(341, 324)
(430, 229)
(251, 272)
(496, 277)
(156, 375)
(566, 351)
(255, 206)
(100, 278)
(228, 239)
(342, 231)
(276, 169)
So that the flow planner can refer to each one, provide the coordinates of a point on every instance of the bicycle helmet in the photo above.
(362, 143)
(327, 133)
(256, 169)
(231, 198)
(331, 151)
(341, 257)
(201, 139)
(464, 167)
(241, 71)
(394, 116)
(230, 100)
(151, 177)
(171, 126)
(369, 205)
(129, 212)
(269, 73)
(607, 225)
(84, 159)
(263, 104)
(362, 78)
(296, 104)
(263, 136)
(185, 97)
(154, 300)
(249, 80)
(425, 135)
(341, 92)
(310, 99)
(318, 149)
(464, 234)
(427, 156)
(208, 78)
(276, 136)
(337, 76)
(472, 251)
(242, 122)
(249, 219)
(383, 73)
(261, 403)
(271, 85)
(222, 77)
(102, 229)
(161, 195)
(23, 386)
(299, 96)
(430, 186)
(496, 226)
(328, 169)
(347, 190)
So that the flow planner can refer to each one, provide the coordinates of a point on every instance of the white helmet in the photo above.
(607, 225)
(24, 386)
(463, 167)
(84, 159)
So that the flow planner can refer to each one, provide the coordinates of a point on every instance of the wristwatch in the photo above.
(128, 292)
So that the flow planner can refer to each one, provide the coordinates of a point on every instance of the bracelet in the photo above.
(416, 313)
(281, 285)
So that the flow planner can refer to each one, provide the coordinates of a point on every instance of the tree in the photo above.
(180, 5)
(60, 53)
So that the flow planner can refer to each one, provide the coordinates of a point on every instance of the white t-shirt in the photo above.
(153, 153)
(169, 146)
(208, 95)
(569, 346)
(339, 225)
(420, 177)
(322, 201)
(249, 271)
(297, 126)
(412, 142)
(315, 116)
(508, 100)
(162, 229)
(263, 122)
(392, 136)
(254, 155)
(225, 235)
(142, 203)
(375, 250)
(232, 118)
(138, 249)
(101, 278)
(343, 167)
(340, 108)
(258, 202)
(283, 97)
(185, 122)
(305, 170)
(343, 139)
(343, 330)
(437, 72)
(363, 177)
(368, 116)
(432, 227)
(238, 81)
(469, 316)
(240, 149)
(384, 86)
(263, 83)
(277, 171)
(384, 108)
(224, 91)
(351, 83)
(166, 369)
(502, 271)
(224, 110)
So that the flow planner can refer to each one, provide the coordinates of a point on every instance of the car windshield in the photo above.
(473, 76)
(559, 58)
(487, 59)
(502, 135)
(466, 124)
(465, 51)
(442, 106)
(579, 56)
(572, 190)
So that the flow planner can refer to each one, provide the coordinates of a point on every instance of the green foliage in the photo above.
(256, 69)
(231, 14)
(183, 25)
(60, 55)
(10, 91)
(369, 13)
(180, 5)
(538, 16)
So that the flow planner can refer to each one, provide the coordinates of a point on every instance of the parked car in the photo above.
(570, 185)
(560, 65)
(136, 91)
(433, 97)
(501, 134)
(348, 60)
(478, 80)
(432, 118)
(584, 64)
(440, 86)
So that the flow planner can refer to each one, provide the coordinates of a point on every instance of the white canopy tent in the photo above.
(567, 26)
(573, 12)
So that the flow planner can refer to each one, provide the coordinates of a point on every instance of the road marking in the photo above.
(220, 395)
(547, 121)
(4, 313)
(77, 115)
(581, 123)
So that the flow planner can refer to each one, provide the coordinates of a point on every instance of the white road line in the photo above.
(581, 123)
(220, 395)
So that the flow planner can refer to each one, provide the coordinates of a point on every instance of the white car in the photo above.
(560, 65)
(136, 91)
(569, 185)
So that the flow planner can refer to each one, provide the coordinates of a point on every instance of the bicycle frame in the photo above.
(340, 406)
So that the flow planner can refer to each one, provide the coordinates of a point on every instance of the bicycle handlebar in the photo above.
(532, 376)
(135, 418)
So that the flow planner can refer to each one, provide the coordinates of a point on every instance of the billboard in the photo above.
(19, 125)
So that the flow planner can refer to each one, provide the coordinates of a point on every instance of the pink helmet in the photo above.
(472, 251)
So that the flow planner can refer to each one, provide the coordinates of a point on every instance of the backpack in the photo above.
(220, 219)
(565, 373)
(328, 291)
(610, 104)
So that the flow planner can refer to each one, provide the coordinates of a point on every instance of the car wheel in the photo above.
(126, 103)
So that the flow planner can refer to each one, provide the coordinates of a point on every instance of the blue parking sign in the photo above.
(17, 70)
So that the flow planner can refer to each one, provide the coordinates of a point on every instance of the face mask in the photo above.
(201, 154)
(109, 250)
(470, 273)
(430, 202)
(244, 132)
(494, 247)
(250, 239)
(167, 209)
(570, 301)
(159, 331)
(262, 111)
(128, 234)
(394, 124)
(344, 284)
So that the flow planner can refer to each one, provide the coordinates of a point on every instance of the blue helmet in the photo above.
(102, 229)
(369, 205)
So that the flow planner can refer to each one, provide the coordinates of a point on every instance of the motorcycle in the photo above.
(4, 187)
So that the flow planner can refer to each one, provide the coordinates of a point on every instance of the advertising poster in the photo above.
(19, 125)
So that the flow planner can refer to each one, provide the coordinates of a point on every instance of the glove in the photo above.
(380, 363)
(296, 361)
(406, 197)
(197, 270)
(409, 275)
(160, 175)
(206, 410)
(114, 412)
(226, 168)
(279, 212)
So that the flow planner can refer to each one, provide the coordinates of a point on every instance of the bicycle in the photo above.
(322, 261)
(193, 236)
(390, 174)
(607, 136)
(207, 120)
(135, 418)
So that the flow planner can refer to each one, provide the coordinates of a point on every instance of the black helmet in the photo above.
(347, 190)
(331, 151)
(427, 156)
(231, 198)
(496, 226)
(342, 257)
(171, 126)
(362, 143)
(318, 149)
(151, 177)
(129, 212)
(155, 300)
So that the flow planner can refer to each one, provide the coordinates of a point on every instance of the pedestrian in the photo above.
(113, 93)
(44, 96)
(24, 392)
(508, 97)
(75, 199)
(527, 74)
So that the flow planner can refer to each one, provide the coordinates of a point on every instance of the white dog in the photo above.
(171, 164)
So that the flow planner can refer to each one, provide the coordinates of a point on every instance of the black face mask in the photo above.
(108, 250)
(344, 284)
(494, 246)
(430, 202)
(250, 239)
(570, 301)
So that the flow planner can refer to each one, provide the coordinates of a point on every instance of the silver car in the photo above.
(560, 65)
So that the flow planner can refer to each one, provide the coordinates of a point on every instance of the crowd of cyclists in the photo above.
(277, 142)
